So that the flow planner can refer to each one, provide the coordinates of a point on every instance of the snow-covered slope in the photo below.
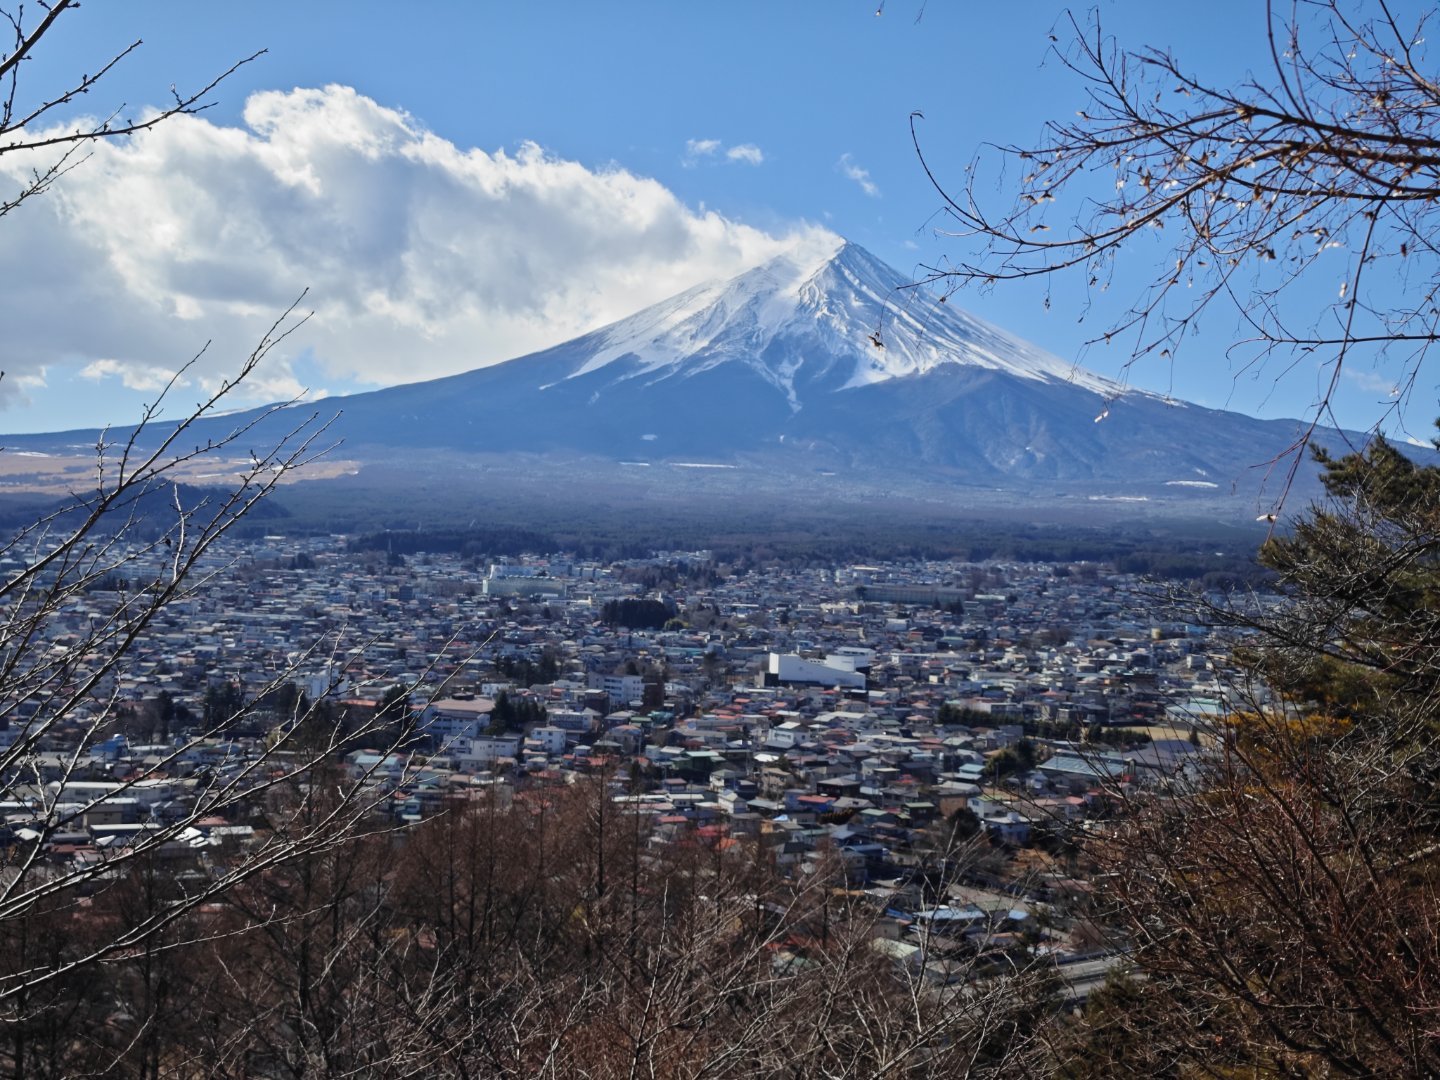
(826, 316)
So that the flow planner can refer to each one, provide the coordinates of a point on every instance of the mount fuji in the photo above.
(822, 362)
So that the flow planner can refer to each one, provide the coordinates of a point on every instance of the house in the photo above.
(456, 717)
(484, 750)
(576, 721)
(1077, 773)
(548, 740)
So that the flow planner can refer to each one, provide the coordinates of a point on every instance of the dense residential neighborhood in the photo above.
(876, 715)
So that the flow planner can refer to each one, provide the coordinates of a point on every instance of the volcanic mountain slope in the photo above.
(822, 359)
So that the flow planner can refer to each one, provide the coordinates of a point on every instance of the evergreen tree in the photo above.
(1291, 896)
(222, 702)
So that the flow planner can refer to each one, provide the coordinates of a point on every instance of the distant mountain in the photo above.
(823, 360)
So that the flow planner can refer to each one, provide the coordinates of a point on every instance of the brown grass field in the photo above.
(58, 474)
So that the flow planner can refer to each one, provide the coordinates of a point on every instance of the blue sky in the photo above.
(457, 183)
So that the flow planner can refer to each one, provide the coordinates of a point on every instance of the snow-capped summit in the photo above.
(824, 316)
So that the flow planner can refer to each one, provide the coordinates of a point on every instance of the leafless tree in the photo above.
(64, 647)
(90, 978)
(1280, 899)
(549, 936)
(31, 121)
(1299, 204)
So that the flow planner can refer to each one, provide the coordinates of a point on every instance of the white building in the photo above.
(550, 740)
(789, 668)
(625, 688)
(582, 721)
(486, 749)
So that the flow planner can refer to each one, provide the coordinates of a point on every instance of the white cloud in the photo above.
(861, 176)
(34, 380)
(1372, 381)
(16, 387)
(422, 258)
(145, 377)
(697, 150)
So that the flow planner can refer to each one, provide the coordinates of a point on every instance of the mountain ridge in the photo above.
(897, 330)
(823, 359)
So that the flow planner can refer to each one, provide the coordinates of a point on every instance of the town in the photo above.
(856, 713)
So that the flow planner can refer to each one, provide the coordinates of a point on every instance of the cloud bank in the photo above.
(421, 258)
